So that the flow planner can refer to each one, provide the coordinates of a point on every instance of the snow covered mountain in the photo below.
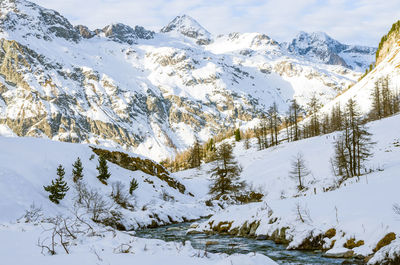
(188, 27)
(388, 65)
(151, 93)
(323, 48)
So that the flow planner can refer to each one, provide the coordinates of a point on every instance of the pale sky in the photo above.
(351, 22)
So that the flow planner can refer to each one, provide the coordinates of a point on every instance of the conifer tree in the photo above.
(225, 173)
(58, 188)
(237, 135)
(102, 168)
(133, 185)
(77, 170)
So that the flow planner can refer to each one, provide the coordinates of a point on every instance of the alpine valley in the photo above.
(123, 145)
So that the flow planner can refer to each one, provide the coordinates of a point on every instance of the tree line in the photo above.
(352, 146)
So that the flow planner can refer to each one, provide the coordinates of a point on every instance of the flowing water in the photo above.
(231, 244)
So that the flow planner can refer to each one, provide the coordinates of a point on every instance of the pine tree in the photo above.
(237, 135)
(225, 173)
(58, 188)
(299, 170)
(102, 168)
(133, 185)
(77, 170)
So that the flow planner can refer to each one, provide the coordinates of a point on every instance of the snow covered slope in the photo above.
(150, 93)
(358, 209)
(28, 164)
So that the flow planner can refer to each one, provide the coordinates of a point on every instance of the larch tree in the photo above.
(353, 146)
(195, 155)
(295, 115)
(299, 170)
(313, 107)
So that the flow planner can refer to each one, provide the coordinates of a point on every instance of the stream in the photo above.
(231, 244)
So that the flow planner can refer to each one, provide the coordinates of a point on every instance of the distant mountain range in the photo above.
(154, 92)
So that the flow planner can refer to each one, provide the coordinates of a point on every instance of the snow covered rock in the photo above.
(123, 33)
(339, 253)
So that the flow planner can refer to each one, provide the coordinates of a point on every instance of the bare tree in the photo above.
(352, 147)
(302, 213)
(299, 170)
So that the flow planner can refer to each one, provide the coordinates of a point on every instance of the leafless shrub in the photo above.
(61, 231)
(33, 215)
(92, 200)
(302, 213)
(123, 248)
(166, 197)
(120, 196)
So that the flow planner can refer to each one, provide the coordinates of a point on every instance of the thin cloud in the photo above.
(353, 22)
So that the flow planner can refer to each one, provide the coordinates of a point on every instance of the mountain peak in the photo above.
(323, 48)
(189, 27)
(24, 19)
(315, 38)
(123, 33)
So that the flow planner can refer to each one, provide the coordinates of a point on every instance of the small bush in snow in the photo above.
(119, 195)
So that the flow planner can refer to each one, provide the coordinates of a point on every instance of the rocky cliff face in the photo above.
(148, 92)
